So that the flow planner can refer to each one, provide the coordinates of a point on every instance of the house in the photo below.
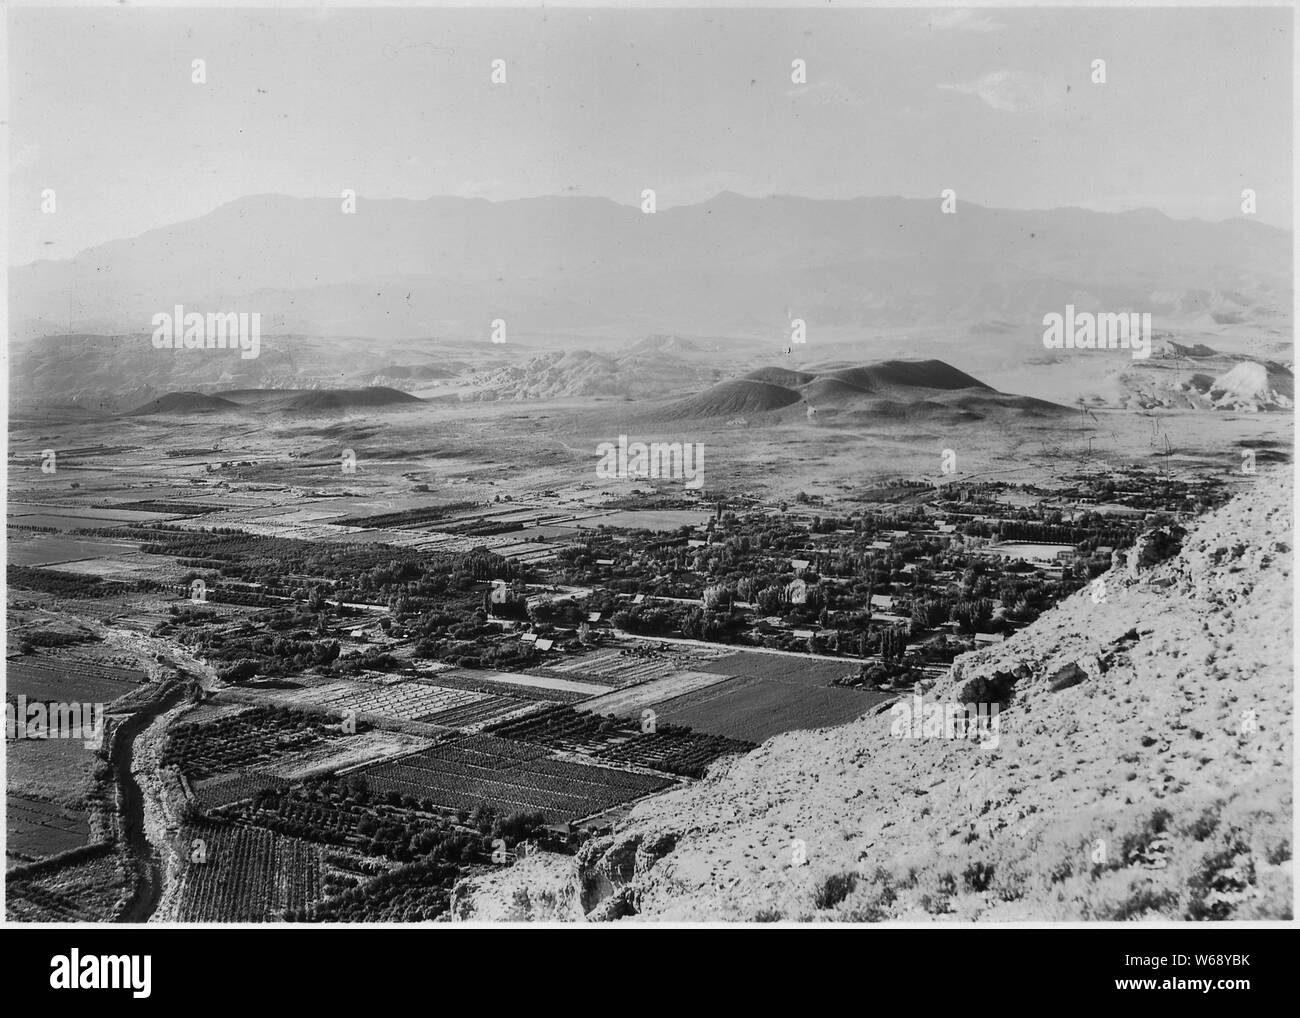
(544, 644)
(799, 564)
(557, 600)
(593, 616)
(882, 601)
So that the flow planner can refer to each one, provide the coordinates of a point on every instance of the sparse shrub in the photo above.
(834, 889)
(977, 877)
(1136, 842)
(938, 888)
(873, 901)
(1142, 902)
(1008, 884)
(1203, 825)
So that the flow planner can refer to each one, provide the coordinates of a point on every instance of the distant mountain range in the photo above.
(731, 266)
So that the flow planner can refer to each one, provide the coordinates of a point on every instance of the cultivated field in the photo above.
(224, 789)
(663, 519)
(338, 754)
(68, 679)
(673, 750)
(781, 668)
(549, 684)
(252, 739)
(251, 875)
(35, 829)
(86, 891)
(462, 701)
(407, 701)
(633, 699)
(753, 709)
(518, 687)
(613, 667)
(509, 776)
(56, 769)
(34, 549)
(472, 717)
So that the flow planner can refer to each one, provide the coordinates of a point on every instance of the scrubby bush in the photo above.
(833, 889)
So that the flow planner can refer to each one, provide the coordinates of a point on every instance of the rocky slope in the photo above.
(1140, 768)
(1253, 387)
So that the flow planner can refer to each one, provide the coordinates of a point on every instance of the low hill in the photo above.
(739, 396)
(185, 403)
(890, 376)
(1142, 770)
(293, 401)
(890, 390)
(332, 400)
(782, 376)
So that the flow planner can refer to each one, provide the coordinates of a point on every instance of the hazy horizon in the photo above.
(997, 104)
(632, 205)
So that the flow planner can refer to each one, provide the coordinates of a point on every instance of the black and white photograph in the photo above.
(651, 466)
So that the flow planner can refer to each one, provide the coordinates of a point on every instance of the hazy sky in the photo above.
(997, 104)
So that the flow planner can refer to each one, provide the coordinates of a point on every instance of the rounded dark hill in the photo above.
(787, 377)
(184, 403)
(887, 411)
(831, 391)
(921, 390)
(888, 375)
(335, 400)
(992, 403)
(257, 397)
(740, 396)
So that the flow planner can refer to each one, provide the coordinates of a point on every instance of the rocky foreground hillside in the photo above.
(1140, 769)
